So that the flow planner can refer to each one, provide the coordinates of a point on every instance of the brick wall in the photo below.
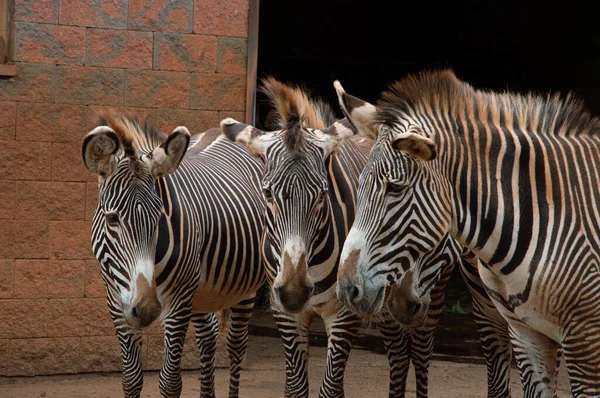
(176, 62)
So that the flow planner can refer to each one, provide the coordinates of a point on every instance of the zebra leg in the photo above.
(237, 341)
(493, 331)
(206, 328)
(396, 340)
(130, 341)
(294, 333)
(175, 327)
(536, 357)
(581, 351)
(421, 338)
(341, 332)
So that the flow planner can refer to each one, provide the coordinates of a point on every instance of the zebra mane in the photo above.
(293, 111)
(134, 137)
(442, 90)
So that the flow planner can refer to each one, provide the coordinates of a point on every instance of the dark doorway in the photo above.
(498, 45)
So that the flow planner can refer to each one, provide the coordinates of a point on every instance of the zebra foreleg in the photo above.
(237, 341)
(421, 351)
(294, 332)
(536, 357)
(130, 341)
(493, 331)
(341, 332)
(421, 338)
(396, 340)
(175, 327)
(206, 327)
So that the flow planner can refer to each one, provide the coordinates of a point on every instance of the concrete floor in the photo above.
(264, 377)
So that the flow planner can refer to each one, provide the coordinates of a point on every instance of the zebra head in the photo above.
(295, 187)
(403, 214)
(128, 161)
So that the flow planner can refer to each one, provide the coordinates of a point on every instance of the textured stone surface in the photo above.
(7, 199)
(45, 11)
(94, 287)
(119, 49)
(189, 53)
(24, 239)
(24, 160)
(91, 200)
(67, 164)
(88, 85)
(30, 357)
(161, 15)
(239, 116)
(49, 44)
(218, 92)
(196, 121)
(232, 55)
(157, 89)
(100, 354)
(79, 317)
(52, 122)
(23, 318)
(49, 278)
(50, 200)
(33, 83)
(8, 117)
(71, 239)
(7, 267)
(221, 17)
(4, 355)
(94, 13)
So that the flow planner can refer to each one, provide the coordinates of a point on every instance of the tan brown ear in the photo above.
(416, 145)
(257, 141)
(359, 113)
(99, 149)
(165, 158)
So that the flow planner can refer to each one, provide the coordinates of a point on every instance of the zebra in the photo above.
(416, 287)
(176, 232)
(511, 177)
(310, 182)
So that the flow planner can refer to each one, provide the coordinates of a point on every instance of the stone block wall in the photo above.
(176, 62)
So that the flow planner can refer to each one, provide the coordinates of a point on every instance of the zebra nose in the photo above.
(355, 293)
(145, 313)
(134, 313)
(417, 308)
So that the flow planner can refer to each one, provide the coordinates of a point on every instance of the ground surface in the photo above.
(263, 377)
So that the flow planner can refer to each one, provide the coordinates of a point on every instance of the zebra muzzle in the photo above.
(145, 306)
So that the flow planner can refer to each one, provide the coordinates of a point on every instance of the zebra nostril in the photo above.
(355, 293)
(134, 313)
(416, 309)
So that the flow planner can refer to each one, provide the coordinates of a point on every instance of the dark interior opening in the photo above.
(498, 45)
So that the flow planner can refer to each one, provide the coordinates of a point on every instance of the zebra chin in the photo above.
(409, 313)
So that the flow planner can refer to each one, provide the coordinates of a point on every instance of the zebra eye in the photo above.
(391, 187)
(112, 219)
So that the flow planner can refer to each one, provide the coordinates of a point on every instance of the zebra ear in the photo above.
(254, 139)
(99, 151)
(360, 114)
(416, 145)
(165, 158)
(336, 134)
